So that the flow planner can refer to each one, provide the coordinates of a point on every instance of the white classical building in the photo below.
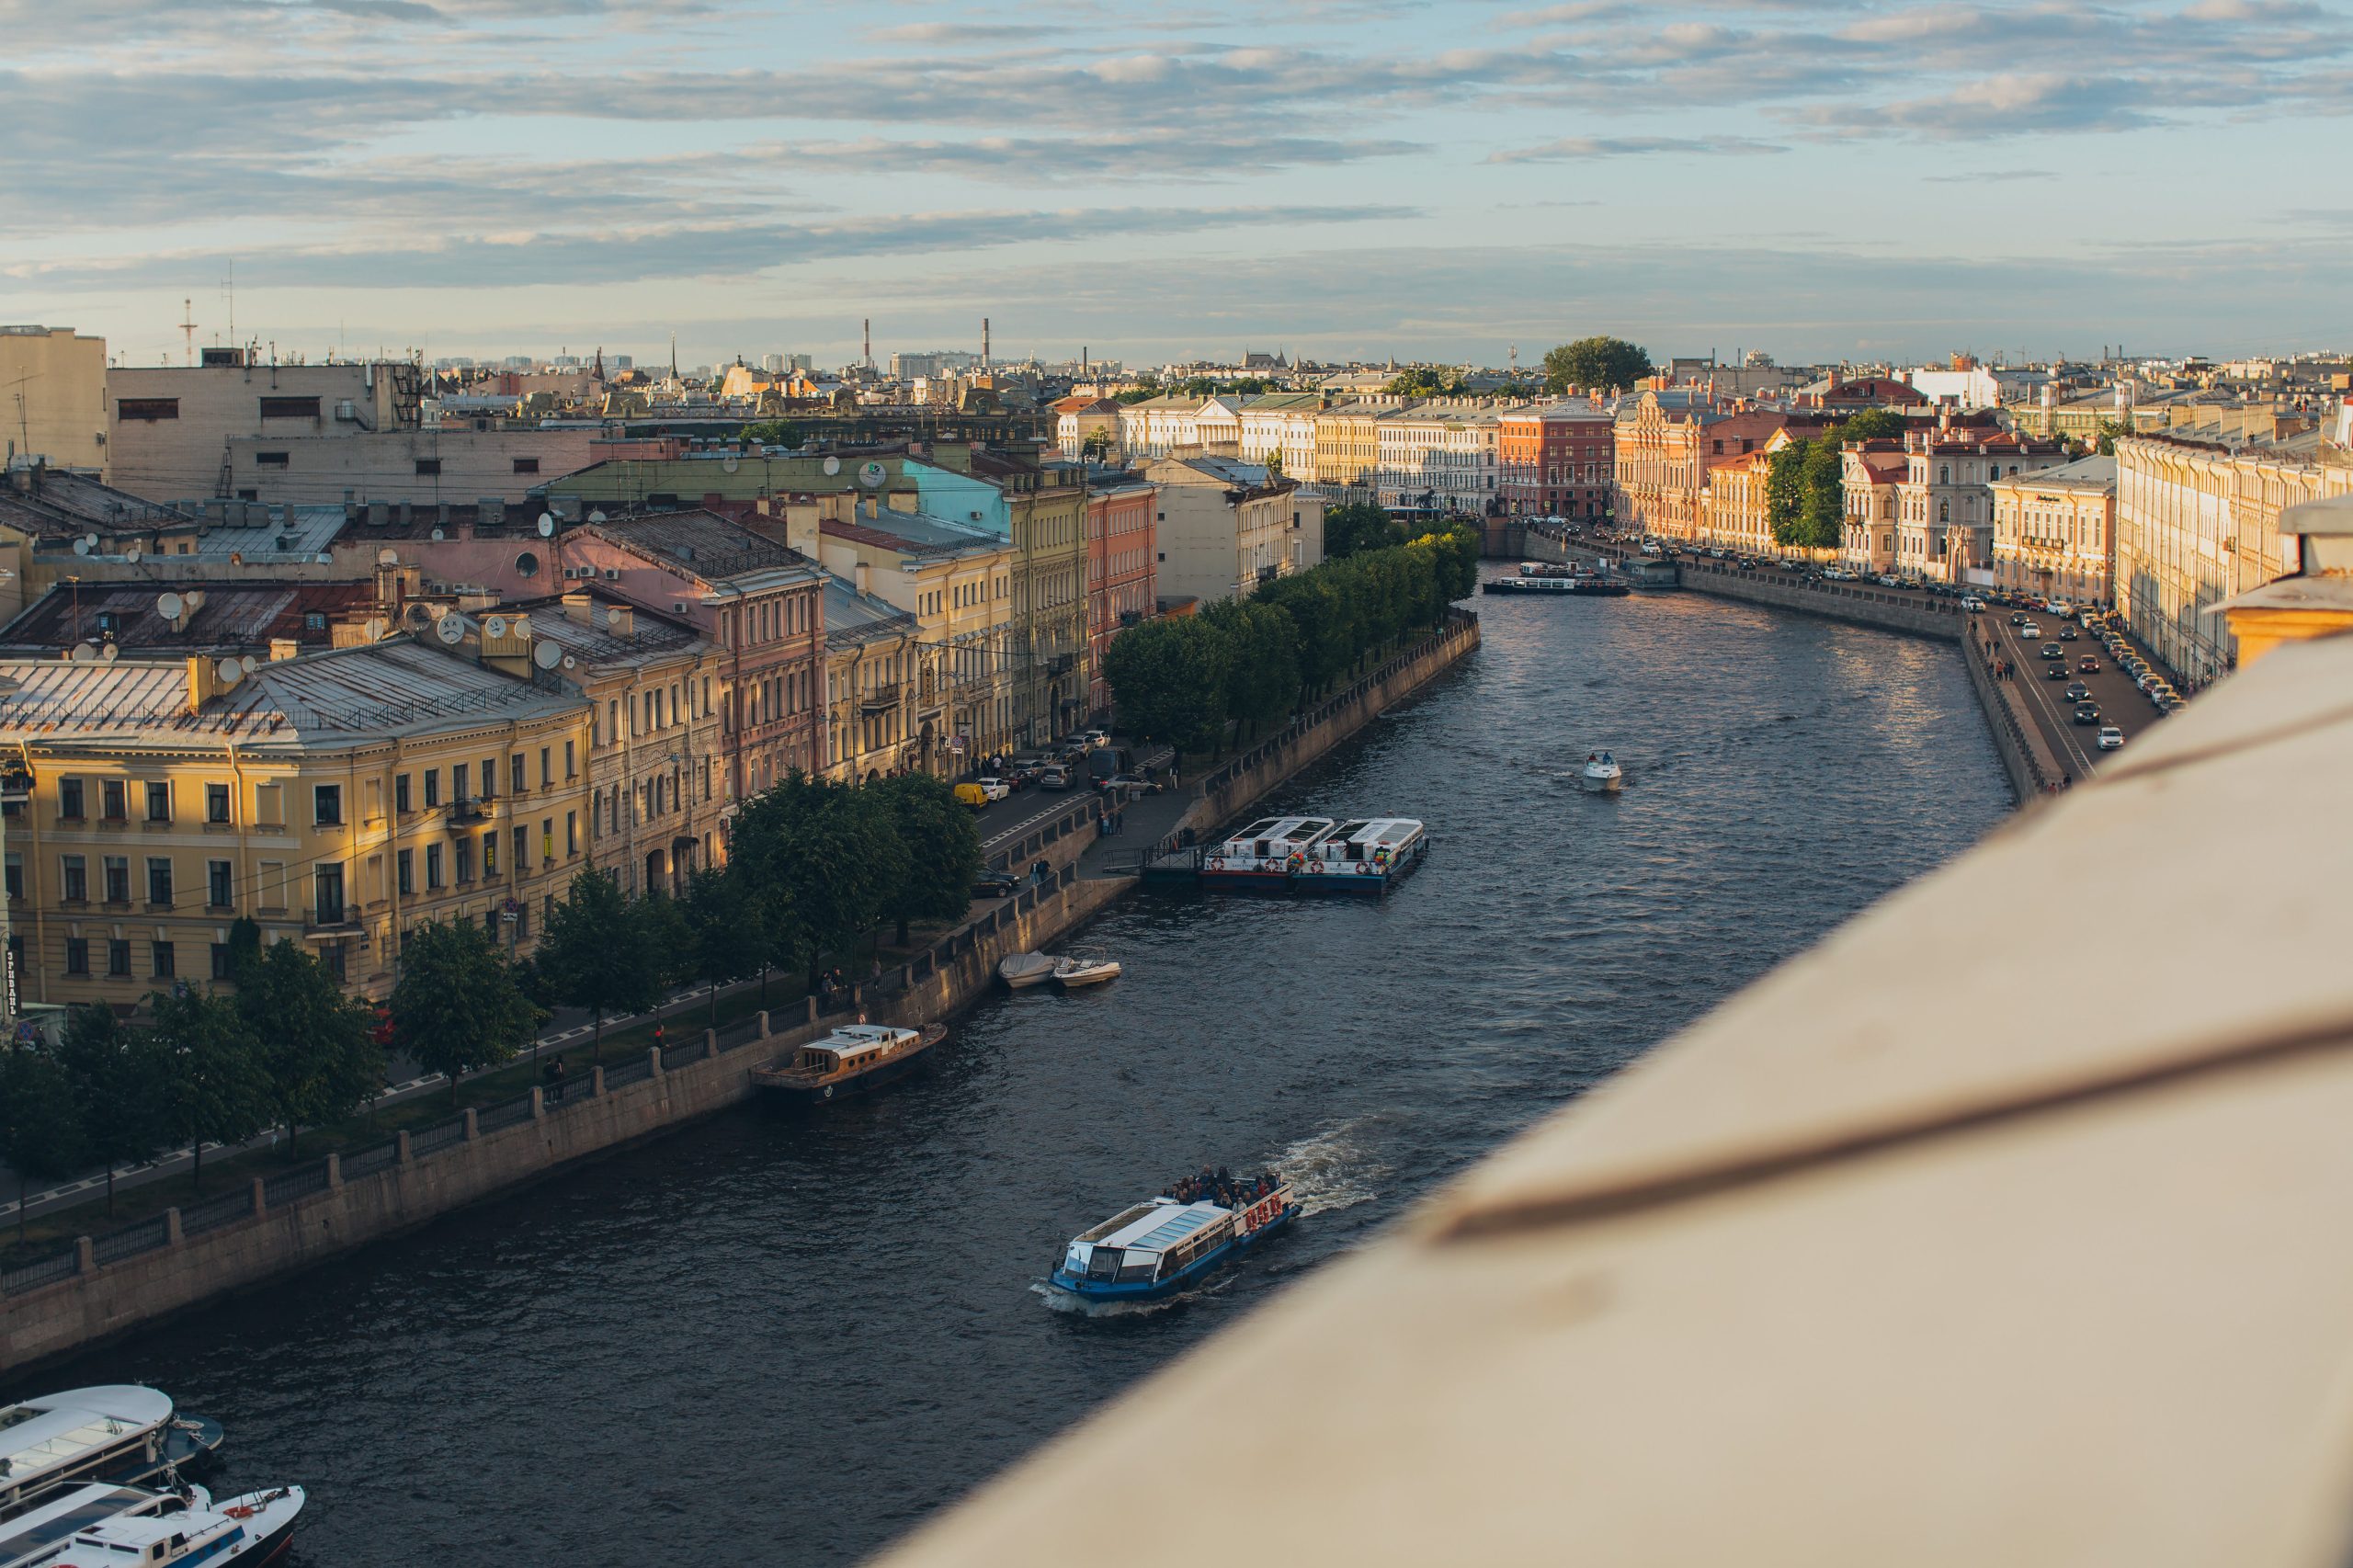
(1447, 453)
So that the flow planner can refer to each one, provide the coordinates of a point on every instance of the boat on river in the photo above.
(1367, 856)
(119, 1433)
(251, 1529)
(1021, 970)
(1602, 774)
(852, 1060)
(1261, 855)
(57, 1515)
(1081, 970)
(1161, 1247)
(1542, 577)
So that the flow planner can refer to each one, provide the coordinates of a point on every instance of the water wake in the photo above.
(1334, 1169)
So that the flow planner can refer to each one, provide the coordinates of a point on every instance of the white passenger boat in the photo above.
(854, 1058)
(58, 1514)
(1366, 856)
(1086, 969)
(251, 1529)
(1262, 854)
(1158, 1248)
(1602, 774)
(121, 1433)
(1021, 970)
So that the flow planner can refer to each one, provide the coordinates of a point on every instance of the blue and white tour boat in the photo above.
(1162, 1246)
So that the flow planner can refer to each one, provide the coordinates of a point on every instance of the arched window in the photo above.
(1944, 474)
(1944, 511)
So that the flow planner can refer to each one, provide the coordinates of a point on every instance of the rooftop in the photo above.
(2083, 473)
(229, 618)
(914, 533)
(853, 618)
(703, 544)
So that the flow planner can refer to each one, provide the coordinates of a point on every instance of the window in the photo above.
(547, 768)
(400, 794)
(405, 869)
(167, 965)
(119, 958)
(69, 799)
(216, 802)
(271, 459)
(14, 873)
(77, 879)
(489, 777)
(432, 866)
(315, 620)
(463, 853)
(117, 875)
(326, 805)
(572, 833)
(290, 408)
(460, 775)
(77, 955)
(570, 762)
(522, 850)
(159, 879)
(527, 465)
(432, 788)
(490, 855)
(515, 773)
(219, 884)
(159, 802)
(148, 408)
(219, 961)
(428, 467)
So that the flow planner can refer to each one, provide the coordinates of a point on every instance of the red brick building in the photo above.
(1555, 460)
(1121, 580)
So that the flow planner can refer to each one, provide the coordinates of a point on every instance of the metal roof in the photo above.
(852, 617)
(233, 616)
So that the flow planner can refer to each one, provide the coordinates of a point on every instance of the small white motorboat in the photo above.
(1021, 970)
(1086, 969)
(1602, 774)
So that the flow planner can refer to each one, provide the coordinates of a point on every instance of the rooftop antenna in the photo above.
(674, 356)
(187, 330)
(985, 343)
(866, 324)
(229, 294)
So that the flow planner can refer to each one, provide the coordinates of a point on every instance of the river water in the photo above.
(775, 1340)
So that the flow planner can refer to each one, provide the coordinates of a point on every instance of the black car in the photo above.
(2079, 692)
(2057, 670)
(995, 884)
(2053, 651)
(2066, 634)
(2086, 714)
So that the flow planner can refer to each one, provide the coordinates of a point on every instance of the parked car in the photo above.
(995, 884)
(2110, 737)
(2078, 692)
(2087, 713)
(1971, 603)
(993, 787)
(972, 795)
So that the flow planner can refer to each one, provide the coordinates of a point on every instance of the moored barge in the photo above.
(1262, 854)
(852, 1060)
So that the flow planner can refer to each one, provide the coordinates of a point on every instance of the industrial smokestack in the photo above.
(865, 328)
(985, 343)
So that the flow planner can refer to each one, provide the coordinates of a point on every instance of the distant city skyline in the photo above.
(1345, 178)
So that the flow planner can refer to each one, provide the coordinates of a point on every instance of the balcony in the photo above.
(331, 923)
(881, 699)
(470, 809)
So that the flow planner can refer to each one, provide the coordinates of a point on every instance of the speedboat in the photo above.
(1602, 774)
(854, 1058)
(1086, 969)
(119, 1432)
(1159, 1247)
(57, 1515)
(253, 1529)
(1021, 970)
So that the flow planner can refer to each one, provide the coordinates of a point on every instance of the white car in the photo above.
(996, 788)
(1971, 601)
(2110, 737)
(2030, 633)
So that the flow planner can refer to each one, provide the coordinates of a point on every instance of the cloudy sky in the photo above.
(1347, 177)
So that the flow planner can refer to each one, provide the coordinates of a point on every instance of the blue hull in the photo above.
(1159, 1289)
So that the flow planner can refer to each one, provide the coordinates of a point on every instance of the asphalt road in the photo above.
(2120, 702)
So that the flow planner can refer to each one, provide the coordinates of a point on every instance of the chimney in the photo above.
(873, 505)
(576, 607)
(282, 649)
(620, 620)
(203, 682)
(861, 575)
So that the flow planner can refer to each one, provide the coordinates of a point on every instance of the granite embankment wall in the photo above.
(269, 1227)
(1889, 610)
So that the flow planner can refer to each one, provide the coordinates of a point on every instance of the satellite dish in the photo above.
(729, 463)
(522, 627)
(110, 652)
(422, 614)
(84, 654)
(374, 630)
(832, 465)
(870, 474)
(171, 606)
(90, 539)
(231, 670)
(568, 660)
(81, 547)
(388, 556)
(131, 554)
(547, 525)
(598, 516)
(451, 628)
(547, 656)
(494, 625)
(436, 536)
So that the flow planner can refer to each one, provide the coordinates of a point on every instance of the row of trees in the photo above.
(1250, 661)
(815, 869)
(1805, 491)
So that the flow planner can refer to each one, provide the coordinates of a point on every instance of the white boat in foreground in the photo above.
(1086, 969)
(1021, 970)
(1602, 774)
(252, 1530)
(121, 1433)
(59, 1514)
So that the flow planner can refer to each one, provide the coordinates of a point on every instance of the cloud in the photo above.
(1578, 148)
(959, 33)
(1992, 176)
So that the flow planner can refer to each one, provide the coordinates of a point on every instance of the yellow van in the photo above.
(972, 795)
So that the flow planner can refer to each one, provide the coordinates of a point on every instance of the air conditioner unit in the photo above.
(612, 573)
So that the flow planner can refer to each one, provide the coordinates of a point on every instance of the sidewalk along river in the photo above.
(808, 1333)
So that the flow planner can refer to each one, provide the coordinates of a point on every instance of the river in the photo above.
(783, 1341)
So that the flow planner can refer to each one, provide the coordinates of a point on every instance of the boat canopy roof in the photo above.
(1163, 1226)
(1289, 829)
(73, 1509)
(1379, 830)
(853, 1042)
(59, 1429)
